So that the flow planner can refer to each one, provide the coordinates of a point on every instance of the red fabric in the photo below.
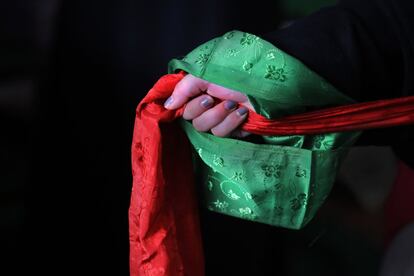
(376, 114)
(164, 228)
(165, 235)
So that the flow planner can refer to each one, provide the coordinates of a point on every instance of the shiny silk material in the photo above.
(281, 182)
(163, 222)
(164, 227)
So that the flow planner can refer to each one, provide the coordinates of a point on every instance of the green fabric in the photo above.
(285, 180)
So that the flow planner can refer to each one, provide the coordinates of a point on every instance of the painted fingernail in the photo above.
(229, 105)
(207, 102)
(169, 101)
(242, 110)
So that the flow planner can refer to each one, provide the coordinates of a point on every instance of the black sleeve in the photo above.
(364, 48)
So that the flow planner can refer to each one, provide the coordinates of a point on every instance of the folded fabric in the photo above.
(282, 182)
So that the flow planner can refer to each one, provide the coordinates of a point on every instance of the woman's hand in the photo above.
(210, 106)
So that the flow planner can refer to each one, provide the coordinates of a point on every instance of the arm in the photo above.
(364, 48)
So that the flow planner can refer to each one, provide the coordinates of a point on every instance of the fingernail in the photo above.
(207, 102)
(242, 110)
(169, 101)
(229, 105)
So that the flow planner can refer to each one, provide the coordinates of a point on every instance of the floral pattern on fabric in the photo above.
(285, 181)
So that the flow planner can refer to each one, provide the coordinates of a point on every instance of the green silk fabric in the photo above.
(283, 180)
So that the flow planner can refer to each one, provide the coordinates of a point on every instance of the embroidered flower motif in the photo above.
(278, 186)
(140, 154)
(138, 146)
(273, 73)
(232, 52)
(270, 55)
(218, 161)
(271, 170)
(248, 196)
(247, 66)
(202, 59)
(142, 151)
(300, 172)
(298, 202)
(229, 35)
(248, 39)
(232, 195)
(278, 211)
(238, 176)
(245, 211)
(318, 141)
(220, 204)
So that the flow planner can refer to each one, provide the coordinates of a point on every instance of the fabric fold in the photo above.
(163, 218)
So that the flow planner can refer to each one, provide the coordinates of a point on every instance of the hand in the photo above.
(221, 115)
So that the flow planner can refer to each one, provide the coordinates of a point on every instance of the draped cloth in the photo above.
(163, 221)
(281, 182)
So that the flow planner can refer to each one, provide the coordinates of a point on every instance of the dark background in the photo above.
(71, 75)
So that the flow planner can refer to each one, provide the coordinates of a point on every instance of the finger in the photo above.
(231, 122)
(186, 89)
(214, 116)
(225, 93)
(197, 106)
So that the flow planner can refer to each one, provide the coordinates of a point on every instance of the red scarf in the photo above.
(164, 227)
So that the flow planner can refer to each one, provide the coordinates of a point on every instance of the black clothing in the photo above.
(365, 49)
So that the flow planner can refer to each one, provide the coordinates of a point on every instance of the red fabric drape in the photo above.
(164, 228)
(163, 220)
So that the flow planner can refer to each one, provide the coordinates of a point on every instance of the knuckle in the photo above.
(199, 125)
(219, 132)
(189, 112)
(234, 119)
(187, 115)
(179, 88)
